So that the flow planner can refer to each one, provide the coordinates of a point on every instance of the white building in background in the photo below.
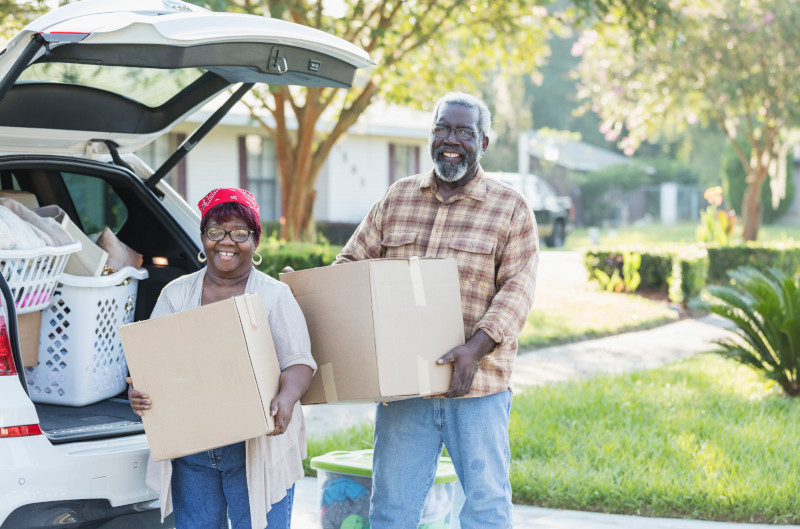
(386, 144)
(559, 160)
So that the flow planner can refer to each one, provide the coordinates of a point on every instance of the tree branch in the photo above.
(347, 119)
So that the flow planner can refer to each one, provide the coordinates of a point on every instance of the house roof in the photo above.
(571, 154)
(379, 119)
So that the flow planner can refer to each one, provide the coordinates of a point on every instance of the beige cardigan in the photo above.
(273, 464)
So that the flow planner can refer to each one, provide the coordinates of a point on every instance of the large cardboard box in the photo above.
(210, 372)
(377, 327)
(29, 326)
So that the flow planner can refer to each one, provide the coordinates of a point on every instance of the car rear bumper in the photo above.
(97, 480)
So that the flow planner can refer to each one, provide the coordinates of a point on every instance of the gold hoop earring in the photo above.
(201, 256)
(259, 259)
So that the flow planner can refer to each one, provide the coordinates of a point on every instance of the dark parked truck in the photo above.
(553, 212)
(81, 89)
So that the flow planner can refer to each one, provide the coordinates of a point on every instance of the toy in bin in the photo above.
(345, 480)
(80, 352)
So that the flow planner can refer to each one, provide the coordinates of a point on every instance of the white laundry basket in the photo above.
(33, 274)
(80, 353)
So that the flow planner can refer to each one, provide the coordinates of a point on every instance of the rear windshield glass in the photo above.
(96, 202)
(149, 86)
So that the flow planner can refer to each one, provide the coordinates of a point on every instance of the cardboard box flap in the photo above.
(336, 302)
(415, 324)
(203, 393)
(91, 259)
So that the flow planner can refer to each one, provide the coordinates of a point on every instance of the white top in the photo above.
(273, 464)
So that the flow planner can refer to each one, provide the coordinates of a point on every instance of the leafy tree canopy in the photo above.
(729, 61)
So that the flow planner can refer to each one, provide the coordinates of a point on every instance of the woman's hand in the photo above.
(139, 401)
(294, 382)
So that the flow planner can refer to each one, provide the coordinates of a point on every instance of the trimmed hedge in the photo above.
(684, 270)
(783, 256)
(276, 255)
(336, 233)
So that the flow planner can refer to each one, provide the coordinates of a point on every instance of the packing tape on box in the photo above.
(416, 281)
(248, 301)
(423, 374)
(328, 383)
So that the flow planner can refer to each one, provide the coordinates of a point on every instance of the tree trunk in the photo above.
(751, 203)
(298, 206)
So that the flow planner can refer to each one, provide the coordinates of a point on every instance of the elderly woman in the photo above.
(252, 482)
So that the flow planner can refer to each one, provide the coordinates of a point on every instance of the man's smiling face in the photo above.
(455, 158)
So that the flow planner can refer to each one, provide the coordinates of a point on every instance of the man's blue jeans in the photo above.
(409, 436)
(210, 487)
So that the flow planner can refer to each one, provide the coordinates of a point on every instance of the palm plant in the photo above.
(765, 308)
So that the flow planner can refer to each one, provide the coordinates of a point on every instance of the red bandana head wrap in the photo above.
(228, 194)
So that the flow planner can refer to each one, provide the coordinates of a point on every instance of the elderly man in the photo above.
(455, 211)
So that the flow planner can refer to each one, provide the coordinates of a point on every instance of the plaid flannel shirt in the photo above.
(490, 231)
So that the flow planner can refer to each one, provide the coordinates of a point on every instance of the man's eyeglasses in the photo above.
(462, 133)
(237, 235)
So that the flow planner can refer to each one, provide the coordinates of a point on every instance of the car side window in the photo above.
(96, 202)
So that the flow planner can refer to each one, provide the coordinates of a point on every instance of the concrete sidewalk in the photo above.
(611, 355)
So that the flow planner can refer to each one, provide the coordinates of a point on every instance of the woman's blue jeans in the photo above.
(210, 487)
(409, 436)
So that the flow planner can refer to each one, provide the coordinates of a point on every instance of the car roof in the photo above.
(128, 71)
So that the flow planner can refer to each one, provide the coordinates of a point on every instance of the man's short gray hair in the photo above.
(469, 101)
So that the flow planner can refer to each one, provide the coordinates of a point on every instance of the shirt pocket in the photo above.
(399, 244)
(475, 259)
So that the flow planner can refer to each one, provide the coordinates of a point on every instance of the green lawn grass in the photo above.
(702, 439)
(586, 314)
(682, 232)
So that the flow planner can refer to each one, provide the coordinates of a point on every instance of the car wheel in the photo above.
(557, 238)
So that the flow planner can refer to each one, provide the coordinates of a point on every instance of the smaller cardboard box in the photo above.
(23, 197)
(91, 259)
(29, 327)
(210, 372)
(377, 327)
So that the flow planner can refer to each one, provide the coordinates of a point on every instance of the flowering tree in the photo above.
(730, 61)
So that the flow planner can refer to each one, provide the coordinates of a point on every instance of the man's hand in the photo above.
(466, 359)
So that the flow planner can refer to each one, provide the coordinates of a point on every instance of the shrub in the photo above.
(336, 233)
(765, 308)
(784, 257)
(654, 269)
(276, 255)
(688, 278)
(630, 279)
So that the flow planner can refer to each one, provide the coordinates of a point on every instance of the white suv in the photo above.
(81, 88)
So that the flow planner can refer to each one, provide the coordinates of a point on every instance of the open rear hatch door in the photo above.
(126, 72)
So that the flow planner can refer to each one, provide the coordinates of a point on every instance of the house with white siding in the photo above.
(386, 144)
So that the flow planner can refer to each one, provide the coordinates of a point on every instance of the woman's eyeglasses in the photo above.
(237, 235)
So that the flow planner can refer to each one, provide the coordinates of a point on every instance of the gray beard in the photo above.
(450, 172)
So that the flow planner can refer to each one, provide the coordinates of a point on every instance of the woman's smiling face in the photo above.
(228, 258)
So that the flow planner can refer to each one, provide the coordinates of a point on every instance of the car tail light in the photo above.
(7, 366)
(20, 431)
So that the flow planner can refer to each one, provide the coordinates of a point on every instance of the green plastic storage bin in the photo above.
(344, 480)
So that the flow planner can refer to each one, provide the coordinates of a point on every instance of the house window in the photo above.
(258, 173)
(403, 161)
(156, 153)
